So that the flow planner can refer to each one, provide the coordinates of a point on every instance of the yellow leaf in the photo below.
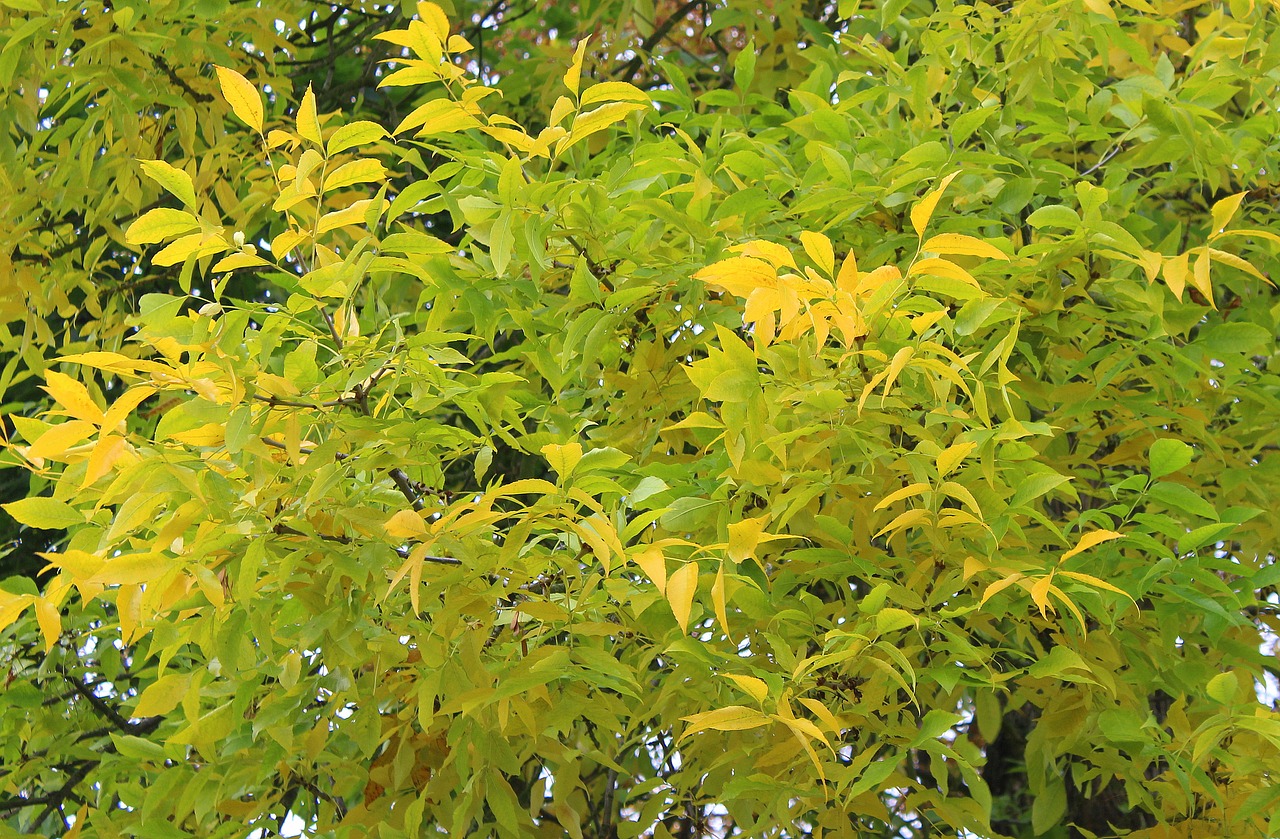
(1090, 539)
(406, 524)
(159, 224)
(923, 210)
(908, 491)
(307, 119)
(239, 259)
(53, 444)
(133, 569)
(439, 116)
(1223, 211)
(962, 245)
(563, 458)
(1238, 263)
(732, 718)
(654, 565)
(771, 252)
(847, 279)
(908, 519)
(999, 586)
(1200, 276)
(195, 245)
(573, 76)
(73, 396)
(681, 586)
(435, 19)
(739, 275)
(935, 267)
(1101, 7)
(1175, 274)
(718, 599)
(242, 96)
(824, 715)
(753, 687)
(1040, 593)
(745, 535)
(597, 532)
(125, 405)
(951, 457)
(174, 180)
(50, 621)
(819, 249)
(355, 172)
(105, 454)
(162, 695)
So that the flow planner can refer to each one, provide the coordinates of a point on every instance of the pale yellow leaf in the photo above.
(908, 491)
(159, 224)
(176, 181)
(605, 91)
(50, 621)
(162, 695)
(952, 456)
(959, 244)
(563, 458)
(355, 172)
(654, 565)
(573, 76)
(732, 718)
(1223, 211)
(757, 689)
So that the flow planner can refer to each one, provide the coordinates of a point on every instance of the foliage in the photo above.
(816, 420)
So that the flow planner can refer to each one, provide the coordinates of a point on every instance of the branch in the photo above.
(113, 716)
(403, 553)
(629, 69)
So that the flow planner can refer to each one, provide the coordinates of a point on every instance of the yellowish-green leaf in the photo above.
(952, 456)
(563, 458)
(909, 491)
(654, 564)
(159, 224)
(242, 96)
(354, 134)
(163, 695)
(176, 181)
(607, 91)
(44, 513)
(586, 124)
(355, 172)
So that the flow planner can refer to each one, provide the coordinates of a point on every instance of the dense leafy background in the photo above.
(640, 417)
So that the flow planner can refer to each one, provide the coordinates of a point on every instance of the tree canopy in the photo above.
(634, 417)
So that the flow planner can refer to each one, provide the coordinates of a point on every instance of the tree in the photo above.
(788, 419)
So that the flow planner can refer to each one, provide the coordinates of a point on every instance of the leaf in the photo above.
(681, 587)
(162, 695)
(961, 245)
(172, 179)
(1090, 539)
(49, 619)
(159, 224)
(1167, 456)
(573, 75)
(242, 96)
(606, 91)
(908, 491)
(590, 122)
(922, 212)
(731, 718)
(1054, 215)
(405, 524)
(355, 172)
(358, 133)
(1182, 498)
(562, 458)
(72, 396)
(307, 119)
(1223, 211)
(44, 513)
(952, 456)
(757, 689)
(1223, 688)
(819, 249)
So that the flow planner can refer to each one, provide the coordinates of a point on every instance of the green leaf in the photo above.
(1167, 456)
(1054, 215)
(1182, 498)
